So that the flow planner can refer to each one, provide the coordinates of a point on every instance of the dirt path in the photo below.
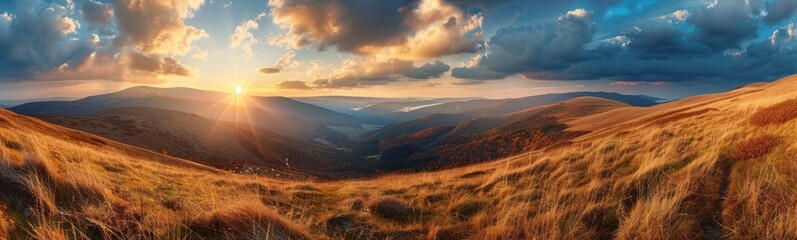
(714, 230)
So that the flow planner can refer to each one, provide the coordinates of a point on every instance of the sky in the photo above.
(394, 48)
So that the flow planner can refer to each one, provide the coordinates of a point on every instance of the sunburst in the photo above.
(237, 102)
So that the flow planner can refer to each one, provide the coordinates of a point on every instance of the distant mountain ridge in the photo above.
(278, 114)
(458, 112)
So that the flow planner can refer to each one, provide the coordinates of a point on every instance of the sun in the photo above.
(239, 90)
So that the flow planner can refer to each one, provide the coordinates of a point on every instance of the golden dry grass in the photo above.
(672, 180)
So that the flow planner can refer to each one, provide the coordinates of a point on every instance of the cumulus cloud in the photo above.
(283, 62)
(243, 37)
(158, 27)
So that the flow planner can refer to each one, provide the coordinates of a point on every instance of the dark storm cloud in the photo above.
(716, 43)
(779, 10)
(429, 70)
(725, 25)
(536, 47)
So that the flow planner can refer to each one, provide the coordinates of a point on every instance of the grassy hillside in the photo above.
(714, 166)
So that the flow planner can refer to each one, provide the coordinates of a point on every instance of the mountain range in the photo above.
(712, 166)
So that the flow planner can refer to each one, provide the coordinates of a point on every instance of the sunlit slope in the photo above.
(727, 172)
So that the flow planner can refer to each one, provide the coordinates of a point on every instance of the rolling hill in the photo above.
(718, 166)
(224, 145)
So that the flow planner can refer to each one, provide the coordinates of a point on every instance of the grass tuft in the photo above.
(246, 221)
(392, 209)
(468, 209)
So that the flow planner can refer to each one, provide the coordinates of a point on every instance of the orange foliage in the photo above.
(776, 114)
(756, 147)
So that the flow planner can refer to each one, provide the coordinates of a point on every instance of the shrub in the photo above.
(776, 114)
(247, 221)
(392, 209)
(755, 148)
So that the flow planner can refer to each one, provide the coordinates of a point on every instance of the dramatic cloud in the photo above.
(283, 62)
(33, 40)
(156, 31)
(40, 41)
(243, 37)
(97, 14)
(157, 27)
(714, 43)
(402, 29)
